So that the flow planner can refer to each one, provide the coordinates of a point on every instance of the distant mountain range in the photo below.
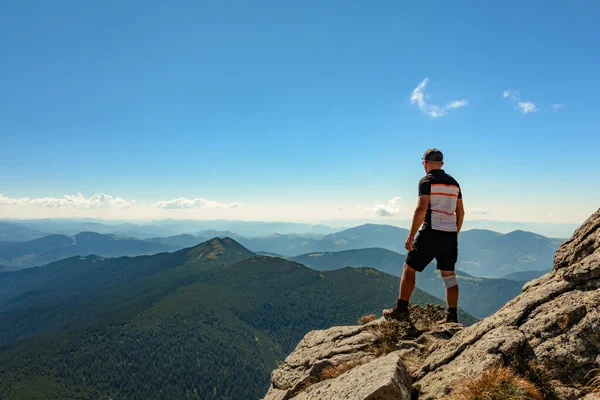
(206, 322)
(22, 230)
(44, 250)
(10, 232)
(179, 241)
(480, 297)
(481, 253)
(526, 275)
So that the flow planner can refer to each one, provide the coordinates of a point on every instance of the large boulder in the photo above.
(315, 352)
(384, 378)
(349, 350)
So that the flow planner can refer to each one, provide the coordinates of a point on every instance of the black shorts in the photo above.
(430, 244)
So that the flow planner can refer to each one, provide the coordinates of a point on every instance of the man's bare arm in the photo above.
(417, 221)
(460, 215)
(419, 214)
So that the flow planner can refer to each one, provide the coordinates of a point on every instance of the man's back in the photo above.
(443, 191)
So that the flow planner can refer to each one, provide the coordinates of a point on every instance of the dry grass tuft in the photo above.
(593, 385)
(388, 334)
(311, 380)
(413, 361)
(333, 371)
(497, 383)
(329, 372)
(425, 318)
(365, 319)
(541, 378)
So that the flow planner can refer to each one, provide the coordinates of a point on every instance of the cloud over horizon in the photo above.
(199, 202)
(388, 209)
(100, 200)
(479, 211)
(418, 96)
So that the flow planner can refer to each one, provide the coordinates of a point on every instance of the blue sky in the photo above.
(297, 110)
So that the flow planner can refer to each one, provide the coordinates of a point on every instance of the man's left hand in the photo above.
(408, 245)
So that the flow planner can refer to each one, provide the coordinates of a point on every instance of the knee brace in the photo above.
(450, 281)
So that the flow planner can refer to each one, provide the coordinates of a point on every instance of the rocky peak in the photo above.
(553, 324)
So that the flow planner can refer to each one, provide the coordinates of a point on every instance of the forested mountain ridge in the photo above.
(206, 322)
(480, 297)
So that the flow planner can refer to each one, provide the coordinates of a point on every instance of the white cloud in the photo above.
(388, 209)
(557, 107)
(527, 107)
(433, 111)
(199, 202)
(458, 103)
(479, 211)
(512, 94)
(515, 97)
(341, 208)
(74, 201)
(7, 201)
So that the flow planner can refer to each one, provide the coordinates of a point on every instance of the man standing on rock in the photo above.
(440, 215)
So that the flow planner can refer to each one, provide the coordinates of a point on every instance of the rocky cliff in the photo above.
(548, 337)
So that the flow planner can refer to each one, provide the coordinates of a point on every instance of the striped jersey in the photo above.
(443, 191)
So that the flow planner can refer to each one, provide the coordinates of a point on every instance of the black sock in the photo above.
(452, 310)
(403, 304)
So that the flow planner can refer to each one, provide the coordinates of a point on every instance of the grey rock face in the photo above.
(384, 378)
(318, 350)
(300, 376)
(556, 320)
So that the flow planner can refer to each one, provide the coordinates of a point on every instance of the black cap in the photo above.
(433, 155)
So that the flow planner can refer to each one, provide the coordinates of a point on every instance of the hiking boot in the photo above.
(398, 313)
(451, 318)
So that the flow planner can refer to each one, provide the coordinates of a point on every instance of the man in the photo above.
(440, 214)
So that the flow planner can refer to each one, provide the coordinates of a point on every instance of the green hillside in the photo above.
(86, 289)
(480, 297)
(209, 322)
(379, 258)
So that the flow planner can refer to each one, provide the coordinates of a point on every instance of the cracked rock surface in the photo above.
(556, 320)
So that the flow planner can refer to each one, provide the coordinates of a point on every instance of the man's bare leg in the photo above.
(451, 293)
(407, 282)
(451, 297)
(400, 311)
